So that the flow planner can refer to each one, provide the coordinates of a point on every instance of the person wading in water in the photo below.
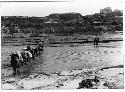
(96, 41)
(28, 47)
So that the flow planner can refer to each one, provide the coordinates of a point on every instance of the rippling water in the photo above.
(68, 57)
(72, 56)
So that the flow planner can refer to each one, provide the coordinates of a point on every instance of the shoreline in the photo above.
(61, 39)
(68, 79)
(64, 42)
(104, 41)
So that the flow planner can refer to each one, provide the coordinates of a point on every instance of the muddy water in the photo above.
(68, 57)
(75, 56)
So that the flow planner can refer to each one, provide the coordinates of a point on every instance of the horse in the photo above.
(39, 49)
(26, 55)
(15, 62)
(33, 53)
(29, 54)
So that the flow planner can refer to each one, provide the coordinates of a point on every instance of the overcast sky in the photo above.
(42, 9)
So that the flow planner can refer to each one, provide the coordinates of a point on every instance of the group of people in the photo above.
(18, 58)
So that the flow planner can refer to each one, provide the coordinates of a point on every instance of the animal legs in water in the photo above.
(21, 63)
(14, 71)
(29, 59)
(39, 52)
(33, 56)
(36, 52)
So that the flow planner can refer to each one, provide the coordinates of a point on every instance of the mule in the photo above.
(36, 50)
(26, 55)
(15, 63)
(33, 53)
(40, 49)
(29, 54)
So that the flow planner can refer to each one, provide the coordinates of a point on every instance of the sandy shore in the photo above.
(112, 78)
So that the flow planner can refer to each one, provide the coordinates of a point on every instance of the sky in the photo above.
(41, 9)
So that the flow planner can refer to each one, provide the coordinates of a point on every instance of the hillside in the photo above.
(62, 24)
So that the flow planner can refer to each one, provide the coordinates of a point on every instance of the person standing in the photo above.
(28, 47)
(96, 41)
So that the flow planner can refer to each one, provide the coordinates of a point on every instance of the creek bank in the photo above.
(103, 78)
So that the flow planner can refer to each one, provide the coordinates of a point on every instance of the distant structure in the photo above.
(106, 10)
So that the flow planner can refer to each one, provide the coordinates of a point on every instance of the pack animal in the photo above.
(26, 55)
(15, 63)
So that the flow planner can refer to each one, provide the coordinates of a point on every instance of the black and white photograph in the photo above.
(62, 45)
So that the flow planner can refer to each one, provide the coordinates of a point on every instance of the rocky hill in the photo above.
(63, 24)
